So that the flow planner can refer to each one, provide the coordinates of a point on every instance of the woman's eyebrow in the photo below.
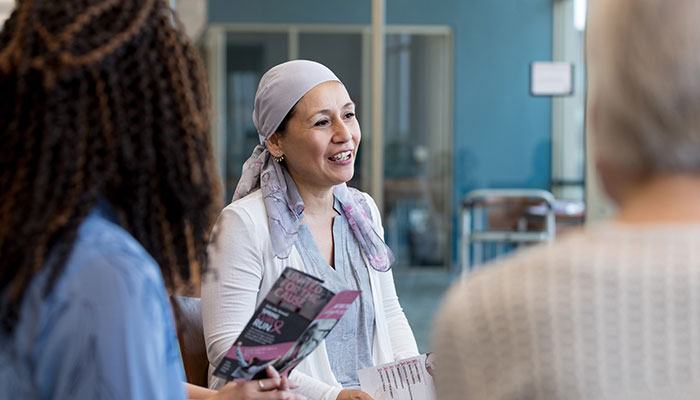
(327, 111)
(324, 112)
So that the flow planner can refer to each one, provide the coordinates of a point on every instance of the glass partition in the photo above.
(248, 56)
(417, 156)
(418, 128)
(342, 53)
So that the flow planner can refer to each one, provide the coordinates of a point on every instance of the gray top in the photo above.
(349, 344)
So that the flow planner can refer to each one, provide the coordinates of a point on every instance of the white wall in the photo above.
(193, 14)
(6, 7)
(598, 204)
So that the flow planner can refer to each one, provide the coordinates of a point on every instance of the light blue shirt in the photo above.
(349, 344)
(105, 331)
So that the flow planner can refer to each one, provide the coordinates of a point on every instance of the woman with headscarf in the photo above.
(292, 208)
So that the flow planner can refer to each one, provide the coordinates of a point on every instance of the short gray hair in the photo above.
(644, 79)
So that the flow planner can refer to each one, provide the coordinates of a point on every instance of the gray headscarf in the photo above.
(279, 90)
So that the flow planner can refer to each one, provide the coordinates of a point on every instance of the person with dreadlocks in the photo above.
(108, 195)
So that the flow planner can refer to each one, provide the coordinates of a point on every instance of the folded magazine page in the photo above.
(293, 319)
(408, 379)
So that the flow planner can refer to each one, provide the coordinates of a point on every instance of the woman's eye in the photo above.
(322, 122)
(349, 115)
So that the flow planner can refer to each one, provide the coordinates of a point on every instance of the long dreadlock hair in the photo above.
(101, 99)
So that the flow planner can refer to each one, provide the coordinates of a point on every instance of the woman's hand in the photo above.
(353, 394)
(272, 388)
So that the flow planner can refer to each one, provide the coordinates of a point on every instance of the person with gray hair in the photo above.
(611, 311)
(292, 208)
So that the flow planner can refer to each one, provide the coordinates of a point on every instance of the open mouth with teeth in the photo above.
(342, 156)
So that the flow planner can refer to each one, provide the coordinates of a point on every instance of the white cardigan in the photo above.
(244, 268)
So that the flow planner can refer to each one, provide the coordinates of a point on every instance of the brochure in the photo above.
(408, 379)
(292, 320)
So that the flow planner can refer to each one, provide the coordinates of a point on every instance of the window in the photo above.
(248, 56)
(568, 150)
(418, 120)
(417, 155)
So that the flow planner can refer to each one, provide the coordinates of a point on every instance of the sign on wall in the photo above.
(551, 78)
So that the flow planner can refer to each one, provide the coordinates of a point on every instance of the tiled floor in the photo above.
(420, 294)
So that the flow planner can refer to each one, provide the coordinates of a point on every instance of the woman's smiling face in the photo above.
(321, 138)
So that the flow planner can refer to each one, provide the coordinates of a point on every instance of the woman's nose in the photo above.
(341, 132)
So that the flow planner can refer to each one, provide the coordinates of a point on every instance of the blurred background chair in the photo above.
(497, 221)
(494, 222)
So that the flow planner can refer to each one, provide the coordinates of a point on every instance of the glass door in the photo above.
(417, 161)
(417, 172)
(248, 56)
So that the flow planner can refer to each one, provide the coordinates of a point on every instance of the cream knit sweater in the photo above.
(612, 312)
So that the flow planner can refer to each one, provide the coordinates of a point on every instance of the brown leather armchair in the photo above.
(191, 336)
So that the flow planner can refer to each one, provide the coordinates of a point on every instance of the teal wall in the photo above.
(502, 135)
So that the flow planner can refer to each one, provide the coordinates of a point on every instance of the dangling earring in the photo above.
(278, 159)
